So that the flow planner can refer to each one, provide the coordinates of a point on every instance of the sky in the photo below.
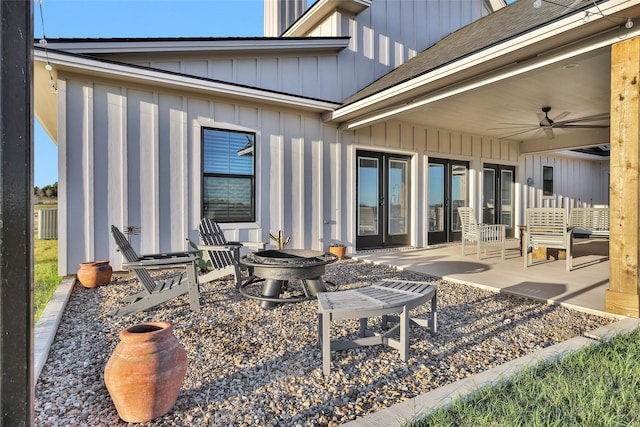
(134, 18)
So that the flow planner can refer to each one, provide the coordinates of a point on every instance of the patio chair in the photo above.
(157, 291)
(223, 256)
(480, 235)
(547, 228)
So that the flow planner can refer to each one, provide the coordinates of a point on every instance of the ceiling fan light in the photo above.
(629, 24)
(537, 4)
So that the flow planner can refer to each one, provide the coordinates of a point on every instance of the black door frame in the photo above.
(447, 234)
(383, 239)
(497, 215)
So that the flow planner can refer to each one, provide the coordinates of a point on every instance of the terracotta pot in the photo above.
(338, 250)
(94, 273)
(145, 372)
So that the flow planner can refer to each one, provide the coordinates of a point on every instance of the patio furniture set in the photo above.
(274, 268)
(546, 228)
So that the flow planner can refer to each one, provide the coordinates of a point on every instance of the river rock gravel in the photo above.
(255, 367)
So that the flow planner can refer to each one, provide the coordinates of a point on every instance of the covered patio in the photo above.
(583, 288)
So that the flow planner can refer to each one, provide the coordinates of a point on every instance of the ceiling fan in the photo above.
(546, 124)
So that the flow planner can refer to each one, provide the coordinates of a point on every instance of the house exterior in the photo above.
(366, 122)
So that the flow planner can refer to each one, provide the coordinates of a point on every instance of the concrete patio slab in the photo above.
(582, 288)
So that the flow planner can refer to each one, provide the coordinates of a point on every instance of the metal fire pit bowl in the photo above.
(277, 267)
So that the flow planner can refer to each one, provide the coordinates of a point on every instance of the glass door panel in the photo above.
(436, 199)
(459, 197)
(488, 196)
(398, 196)
(506, 197)
(368, 196)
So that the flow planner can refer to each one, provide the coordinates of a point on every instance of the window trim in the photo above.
(203, 175)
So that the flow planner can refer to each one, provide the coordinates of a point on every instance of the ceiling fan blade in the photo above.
(548, 131)
(560, 116)
(569, 125)
(515, 126)
(594, 118)
(511, 135)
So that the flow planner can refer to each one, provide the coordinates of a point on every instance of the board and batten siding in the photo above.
(132, 156)
(383, 37)
(577, 182)
(390, 32)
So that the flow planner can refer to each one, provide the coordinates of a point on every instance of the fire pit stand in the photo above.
(277, 267)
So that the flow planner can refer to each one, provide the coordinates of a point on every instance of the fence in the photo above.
(47, 224)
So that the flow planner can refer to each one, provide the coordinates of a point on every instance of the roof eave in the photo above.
(243, 45)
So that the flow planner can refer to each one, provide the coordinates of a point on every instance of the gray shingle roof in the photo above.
(515, 19)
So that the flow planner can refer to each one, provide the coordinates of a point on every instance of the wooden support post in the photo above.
(623, 295)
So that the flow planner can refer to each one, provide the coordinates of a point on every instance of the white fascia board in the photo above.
(166, 79)
(320, 10)
(204, 46)
(377, 100)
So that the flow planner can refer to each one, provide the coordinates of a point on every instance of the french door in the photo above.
(498, 182)
(382, 200)
(448, 190)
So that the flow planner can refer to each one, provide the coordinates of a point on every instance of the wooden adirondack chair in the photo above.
(223, 256)
(157, 292)
(480, 235)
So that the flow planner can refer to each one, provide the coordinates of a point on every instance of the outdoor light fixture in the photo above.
(629, 24)
(537, 4)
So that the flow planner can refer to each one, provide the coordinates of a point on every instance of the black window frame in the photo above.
(252, 178)
(547, 181)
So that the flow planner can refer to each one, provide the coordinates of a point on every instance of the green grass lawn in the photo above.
(45, 273)
(596, 387)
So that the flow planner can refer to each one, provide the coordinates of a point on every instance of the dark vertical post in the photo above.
(16, 212)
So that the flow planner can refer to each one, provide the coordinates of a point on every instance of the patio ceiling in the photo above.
(508, 109)
(499, 91)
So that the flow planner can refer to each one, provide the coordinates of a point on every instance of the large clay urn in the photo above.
(94, 273)
(145, 372)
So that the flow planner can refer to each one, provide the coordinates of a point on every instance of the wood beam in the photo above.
(623, 295)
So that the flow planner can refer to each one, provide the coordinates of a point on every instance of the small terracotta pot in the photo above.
(94, 273)
(145, 372)
(338, 250)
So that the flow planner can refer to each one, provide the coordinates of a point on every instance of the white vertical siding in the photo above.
(383, 37)
(63, 199)
(134, 159)
(576, 182)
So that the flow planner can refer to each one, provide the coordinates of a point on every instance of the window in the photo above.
(228, 180)
(547, 181)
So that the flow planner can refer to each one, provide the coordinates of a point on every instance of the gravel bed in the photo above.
(249, 366)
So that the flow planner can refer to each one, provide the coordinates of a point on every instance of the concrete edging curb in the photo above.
(47, 326)
(424, 404)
